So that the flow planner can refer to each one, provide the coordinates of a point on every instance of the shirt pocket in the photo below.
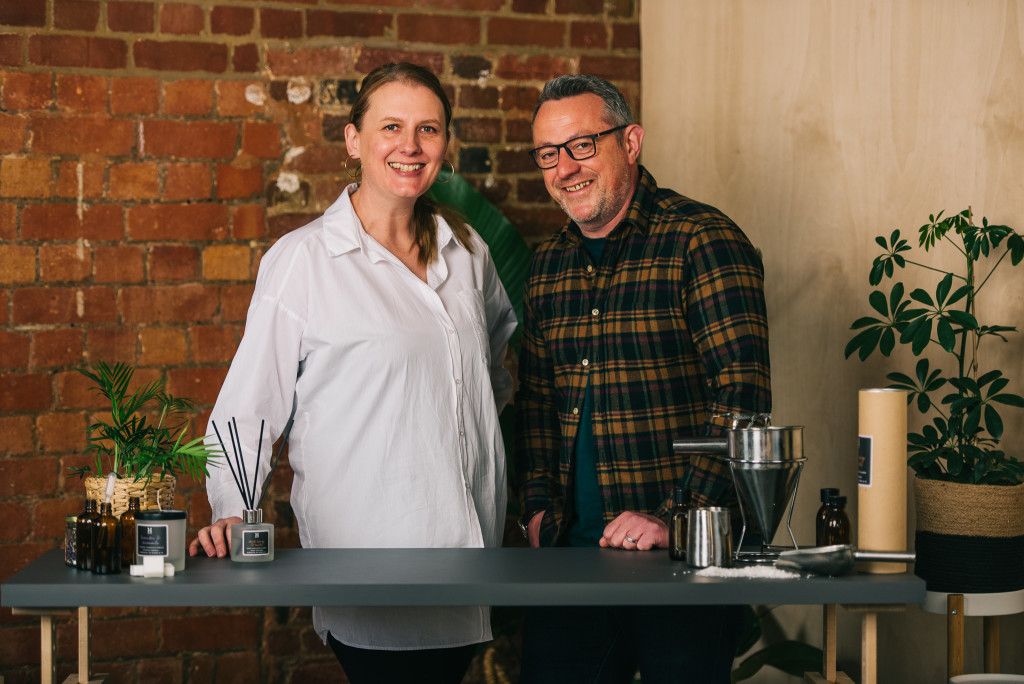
(472, 302)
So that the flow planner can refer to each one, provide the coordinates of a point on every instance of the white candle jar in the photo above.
(161, 533)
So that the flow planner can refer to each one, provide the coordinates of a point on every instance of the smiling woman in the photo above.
(380, 329)
(399, 131)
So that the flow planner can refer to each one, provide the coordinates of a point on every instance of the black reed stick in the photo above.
(238, 470)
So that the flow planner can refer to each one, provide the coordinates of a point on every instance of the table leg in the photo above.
(869, 649)
(84, 654)
(48, 649)
(828, 649)
(991, 641)
(954, 635)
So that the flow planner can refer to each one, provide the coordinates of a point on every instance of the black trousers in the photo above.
(426, 666)
(607, 645)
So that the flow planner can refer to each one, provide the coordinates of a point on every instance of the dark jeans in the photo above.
(607, 645)
(429, 666)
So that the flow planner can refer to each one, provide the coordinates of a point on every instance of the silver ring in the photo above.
(630, 539)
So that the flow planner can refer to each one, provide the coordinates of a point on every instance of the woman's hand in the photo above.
(635, 532)
(215, 540)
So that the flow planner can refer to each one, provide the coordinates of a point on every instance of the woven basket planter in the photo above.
(152, 493)
(970, 538)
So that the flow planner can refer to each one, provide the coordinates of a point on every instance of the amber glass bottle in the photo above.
(128, 533)
(837, 523)
(828, 493)
(106, 544)
(677, 526)
(84, 534)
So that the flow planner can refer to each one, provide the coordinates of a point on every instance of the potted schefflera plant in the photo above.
(968, 491)
(143, 442)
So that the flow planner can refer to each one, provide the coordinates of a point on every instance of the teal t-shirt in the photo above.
(588, 522)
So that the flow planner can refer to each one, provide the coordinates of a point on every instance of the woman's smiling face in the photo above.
(401, 142)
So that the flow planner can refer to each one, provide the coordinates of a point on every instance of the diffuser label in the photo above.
(256, 543)
(151, 540)
(864, 461)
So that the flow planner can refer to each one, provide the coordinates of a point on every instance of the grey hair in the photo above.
(616, 109)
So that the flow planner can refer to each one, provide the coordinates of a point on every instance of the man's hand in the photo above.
(215, 540)
(533, 529)
(635, 532)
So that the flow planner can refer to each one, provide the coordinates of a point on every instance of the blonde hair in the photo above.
(426, 210)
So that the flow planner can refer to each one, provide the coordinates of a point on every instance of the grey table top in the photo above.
(435, 577)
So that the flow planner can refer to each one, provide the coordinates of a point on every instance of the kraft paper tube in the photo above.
(882, 476)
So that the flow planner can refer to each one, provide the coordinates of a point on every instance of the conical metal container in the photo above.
(766, 462)
(767, 489)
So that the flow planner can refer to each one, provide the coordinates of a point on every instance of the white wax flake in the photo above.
(299, 90)
(255, 95)
(751, 571)
(288, 182)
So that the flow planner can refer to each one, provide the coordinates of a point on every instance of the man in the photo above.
(644, 322)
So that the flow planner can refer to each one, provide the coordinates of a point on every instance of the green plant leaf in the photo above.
(791, 656)
(895, 297)
(887, 342)
(947, 338)
(1009, 400)
(865, 321)
(943, 288)
(920, 295)
(878, 302)
(993, 423)
(922, 336)
(865, 341)
(904, 380)
(963, 319)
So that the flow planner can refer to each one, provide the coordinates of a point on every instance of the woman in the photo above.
(386, 324)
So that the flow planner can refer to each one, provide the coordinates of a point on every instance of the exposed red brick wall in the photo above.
(141, 144)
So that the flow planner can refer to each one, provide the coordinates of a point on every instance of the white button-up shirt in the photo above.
(397, 385)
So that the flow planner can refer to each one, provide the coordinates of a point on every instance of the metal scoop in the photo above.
(836, 560)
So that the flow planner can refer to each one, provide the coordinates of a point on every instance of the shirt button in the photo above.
(590, 269)
(457, 381)
(586, 362)
(462, 433)
(451, 331)
(575, 412)
(594, 311)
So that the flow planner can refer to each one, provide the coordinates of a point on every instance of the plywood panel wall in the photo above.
(818, 125)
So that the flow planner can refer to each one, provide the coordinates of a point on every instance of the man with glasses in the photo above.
(644, 322)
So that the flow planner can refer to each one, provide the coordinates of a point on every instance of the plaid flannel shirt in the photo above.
(670, 329)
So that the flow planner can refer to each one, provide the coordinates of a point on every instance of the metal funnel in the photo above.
(767, 489)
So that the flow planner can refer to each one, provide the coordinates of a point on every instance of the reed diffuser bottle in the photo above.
(252, 540)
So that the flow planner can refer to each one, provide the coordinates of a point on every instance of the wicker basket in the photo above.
(152, 493)
(970, 537)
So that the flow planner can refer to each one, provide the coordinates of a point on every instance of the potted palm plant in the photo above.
(143, 443)
(968, 491)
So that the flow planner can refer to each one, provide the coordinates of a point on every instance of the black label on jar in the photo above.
(152, 540)
(864, 461)
(256, 543)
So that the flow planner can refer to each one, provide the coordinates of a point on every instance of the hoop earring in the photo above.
(355, 173)
(452, 175)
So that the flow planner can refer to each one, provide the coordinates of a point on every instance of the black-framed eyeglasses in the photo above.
(583, 147)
